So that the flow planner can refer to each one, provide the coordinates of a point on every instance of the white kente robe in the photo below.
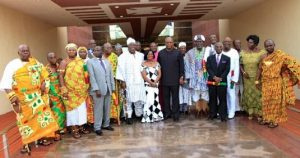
(233, 75)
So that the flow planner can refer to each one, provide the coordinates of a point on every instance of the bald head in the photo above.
(24, 52)
(219, 47)
(269, 46)
(237, 44)
(227, 44)
(153, 46)
(169, 43)
(107, 48)
(92, 43)
(97, 51)
(213, 39)
(51, 57)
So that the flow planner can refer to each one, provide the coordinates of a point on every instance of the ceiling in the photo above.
(138, 18)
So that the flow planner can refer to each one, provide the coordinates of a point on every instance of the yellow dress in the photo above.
(36, 119)
(251, 102)
(279, 73)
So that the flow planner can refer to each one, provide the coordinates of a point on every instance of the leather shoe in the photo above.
(98, 132)
(109, 128)
(129, 121)
(223, 120)
(176, 119)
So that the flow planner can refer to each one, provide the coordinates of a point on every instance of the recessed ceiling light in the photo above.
(121, 16)
(166, 14)
(116, 7)
(172, 4)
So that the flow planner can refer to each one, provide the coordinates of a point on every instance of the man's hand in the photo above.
(232, 82)
(123, 85)
(98, 94)
(43, 88)
(217, 79)
(181, 81)
(258, 86)
(246, 75)
(15, 103)
(65, 96)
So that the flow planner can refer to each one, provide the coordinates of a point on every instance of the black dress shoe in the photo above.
(109, 128)
(176, 119)
(167, 117)
(211, 118)
(223, 119)
(98, 132)
(129, 121)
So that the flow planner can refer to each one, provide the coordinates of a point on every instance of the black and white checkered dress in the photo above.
(152, 109)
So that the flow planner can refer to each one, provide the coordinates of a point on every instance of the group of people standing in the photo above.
(92, 86)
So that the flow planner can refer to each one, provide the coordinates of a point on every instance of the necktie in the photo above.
(102, 64)
(218, 59)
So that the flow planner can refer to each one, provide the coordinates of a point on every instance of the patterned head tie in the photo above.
(199, 38)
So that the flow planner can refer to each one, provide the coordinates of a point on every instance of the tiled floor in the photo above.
(189, 138)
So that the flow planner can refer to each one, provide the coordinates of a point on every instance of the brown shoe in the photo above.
(83, 130)
(75, 132)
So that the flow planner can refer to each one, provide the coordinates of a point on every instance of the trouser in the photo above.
(217, 94)
(232, 104)
(174, 91)
(138, 108)
(101, 111)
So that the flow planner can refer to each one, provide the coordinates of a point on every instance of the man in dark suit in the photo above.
(218, 67)
(172, 69)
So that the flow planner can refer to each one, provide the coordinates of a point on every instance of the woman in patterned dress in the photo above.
(151, 74)
(249, 60)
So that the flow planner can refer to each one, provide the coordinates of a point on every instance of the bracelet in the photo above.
(60, 70)
(11, 95)
(256, 82)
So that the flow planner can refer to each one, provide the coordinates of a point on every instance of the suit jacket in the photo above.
(100, 79)
(219, 71)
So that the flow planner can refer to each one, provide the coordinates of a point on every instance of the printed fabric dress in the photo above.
(251, 102)
(152, 109)
(56, 101)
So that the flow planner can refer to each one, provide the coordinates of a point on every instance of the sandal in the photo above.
(273, 125)
(44, 142)
(26, 149)
(83, 130)
(75, 132)
(57, 137)
(263, 122)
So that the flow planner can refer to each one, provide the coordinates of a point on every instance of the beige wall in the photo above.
(17, 28)
(275, 19)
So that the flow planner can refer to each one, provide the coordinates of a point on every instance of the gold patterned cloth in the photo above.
(280, 72)
(36, 119)
(115, 100)
(56, 101)
(77, 83)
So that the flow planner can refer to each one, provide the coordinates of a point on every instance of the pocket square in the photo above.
(224, 61)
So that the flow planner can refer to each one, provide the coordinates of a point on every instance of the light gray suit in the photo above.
(101, 79)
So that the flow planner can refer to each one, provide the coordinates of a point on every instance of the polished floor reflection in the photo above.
(191, 138)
